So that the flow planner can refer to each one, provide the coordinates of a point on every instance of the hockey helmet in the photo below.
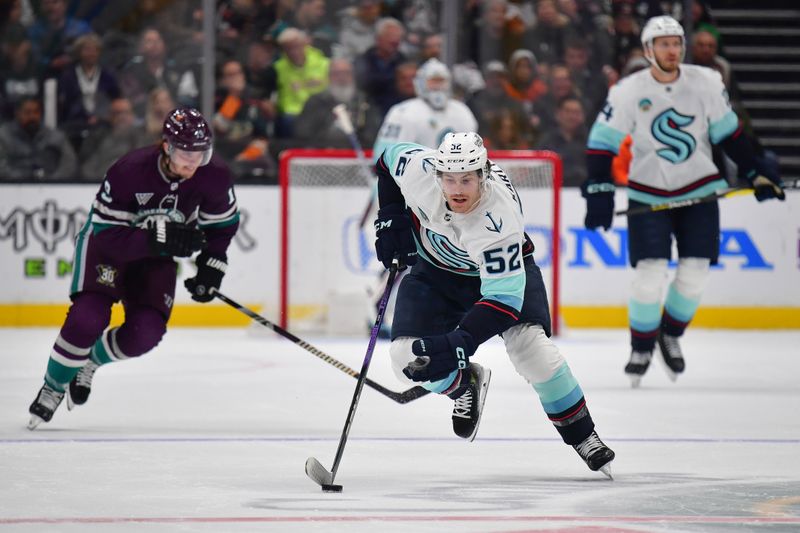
(461, 152)
(431, 69)
(661, 26)
(186, 129)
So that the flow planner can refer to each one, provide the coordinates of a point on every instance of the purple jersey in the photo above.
(136, 192)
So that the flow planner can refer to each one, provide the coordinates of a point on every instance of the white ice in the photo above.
(210, 432)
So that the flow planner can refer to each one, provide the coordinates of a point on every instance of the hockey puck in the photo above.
(331, 488)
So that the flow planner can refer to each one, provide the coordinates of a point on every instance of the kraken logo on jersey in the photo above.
(666, 128)
(449, 254)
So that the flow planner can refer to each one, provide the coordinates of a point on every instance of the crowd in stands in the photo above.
(534, 73)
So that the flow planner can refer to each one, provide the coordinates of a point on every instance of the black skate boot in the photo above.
(81, 385)
(469, 405)
(672, 355)
(43, 407)
(637, 366)
(597, 455)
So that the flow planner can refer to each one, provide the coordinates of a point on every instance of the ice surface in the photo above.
(210, 432)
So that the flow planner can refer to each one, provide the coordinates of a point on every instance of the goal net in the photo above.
(330, 277)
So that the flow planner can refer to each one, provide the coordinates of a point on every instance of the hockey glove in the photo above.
(394, 237)
(439, 356)
(599, 204)
(175, 239)
(210, 271)
(766, 181)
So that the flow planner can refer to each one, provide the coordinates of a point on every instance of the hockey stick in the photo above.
(343, 119)
(314, 468)
(400, 397)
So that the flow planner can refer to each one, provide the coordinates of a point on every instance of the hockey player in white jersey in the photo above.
(457, 219)
(674, 112)
(427, 118)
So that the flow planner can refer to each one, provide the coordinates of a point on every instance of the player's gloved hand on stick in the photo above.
(766, 181)
(175, 239)
(599, 204)
(395, 237)
(210, 271)
(440, 355)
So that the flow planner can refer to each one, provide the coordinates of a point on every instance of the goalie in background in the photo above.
(457, 219)
(674, 112)
(156, 203)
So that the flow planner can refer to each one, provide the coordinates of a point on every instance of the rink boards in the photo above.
(753, 286)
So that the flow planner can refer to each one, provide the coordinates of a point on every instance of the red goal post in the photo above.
(323, 193)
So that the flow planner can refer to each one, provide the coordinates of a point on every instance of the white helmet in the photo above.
(461, 152)
(662, 26)
(433, 68)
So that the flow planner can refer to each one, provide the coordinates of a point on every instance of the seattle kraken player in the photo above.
(460, 216)
(674, 113)
(155, 203)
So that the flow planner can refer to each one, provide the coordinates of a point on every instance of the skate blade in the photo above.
(606, 469)
(70, 404)
(636, 380)
(671, 374)
(482, 396)
(34, 422)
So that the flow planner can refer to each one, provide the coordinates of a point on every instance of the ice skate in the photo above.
(671, 354)
(469, 406)
(43, 407)
(81, 385)
(597, 455)
(637, 366)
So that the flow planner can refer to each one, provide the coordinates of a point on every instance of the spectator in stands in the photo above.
(18, 74)
(492, 31)
(525, 85)
(626, 34)
(152, 68)
(309, 17)
(110, 140)
(569, 140)
(431, 47)
(560, 86)
(357, 32)
(259, 56)
(317, 125)
(240, 127)
(159, 104)
(548, 37)
(52, 34)
(403, 84)
(29, 150)
(493, 99)
(85, 91)
(375, 68)
(507, 131)
(704, 52)
(299, 73)
(591, 79)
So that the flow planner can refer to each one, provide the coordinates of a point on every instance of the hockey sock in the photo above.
(644, 306)
(563, 401)
(683, 296)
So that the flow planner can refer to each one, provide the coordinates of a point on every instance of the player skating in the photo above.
(155, 203)
(475, 278)
(675, 112)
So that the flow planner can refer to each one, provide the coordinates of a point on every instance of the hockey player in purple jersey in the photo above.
(155, 203)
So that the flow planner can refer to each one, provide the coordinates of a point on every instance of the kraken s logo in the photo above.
(666, 129)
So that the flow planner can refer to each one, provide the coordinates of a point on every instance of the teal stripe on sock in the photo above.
(679, 306)
(99, 354)
(58, 376)
(560, 391)
(642, 316)
(441, 385)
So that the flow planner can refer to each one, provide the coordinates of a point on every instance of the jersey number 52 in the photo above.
(499, 261)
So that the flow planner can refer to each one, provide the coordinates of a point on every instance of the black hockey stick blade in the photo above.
(399, 397)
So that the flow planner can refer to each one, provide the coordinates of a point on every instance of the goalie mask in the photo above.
(432, 83)
(185, 130)
(662, 26)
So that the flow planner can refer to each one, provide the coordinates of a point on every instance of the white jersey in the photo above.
(487, 242)
(673, 126)
(415, 121)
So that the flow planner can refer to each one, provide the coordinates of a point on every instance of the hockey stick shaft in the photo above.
(399, 397)
(360, 384)
(343, 119)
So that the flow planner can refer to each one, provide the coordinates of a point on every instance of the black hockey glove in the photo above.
(210, 271)
(175, 239)
(394, 237)
(438, 356)
(766, 180)
(599, 204)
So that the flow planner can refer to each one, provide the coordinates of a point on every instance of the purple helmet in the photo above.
(186, 129)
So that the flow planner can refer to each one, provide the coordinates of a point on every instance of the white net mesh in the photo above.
(331, 273)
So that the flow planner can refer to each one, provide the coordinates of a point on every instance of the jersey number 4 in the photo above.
(499, 261)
